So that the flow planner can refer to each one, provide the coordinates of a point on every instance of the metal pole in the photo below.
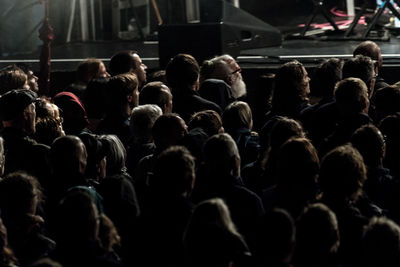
(46, 34)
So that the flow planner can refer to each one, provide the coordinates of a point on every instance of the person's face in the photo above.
(306, 82)
(232, 63)
(103, 72)
(30, 118)
(181, 130)
(33, 81)
(140, 69)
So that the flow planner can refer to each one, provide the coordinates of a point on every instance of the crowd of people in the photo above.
(129, 168)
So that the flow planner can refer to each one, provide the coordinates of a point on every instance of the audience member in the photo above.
(48, 125)
(387, 102)
(281, 130)
(77, 230)
(380, 243)
(202, 125)
(7, 256)
(342, 175)
(68, 159)
(32, 78)
(208, 120)
(292, 87)
(20, 195)
(168, 130)
(317, 237)
(142, 144)
(372, 50)
(220, 177)
(117, 190)
(211, 237)
(222, 68)
(322, 86)
(297, 175)
(352, 104)
(156, 93)
(390, 128)
(238, 123)
(95, 102)
(17, 112)
(379, 186)
(109, 237)
(89, 69)
(157, 76)
(96, 160)
(183, 78)
(168, 209)
(128, 61)
(275, 240)
(122, 97)
(329, 115)
(12, 77)
(73, 113)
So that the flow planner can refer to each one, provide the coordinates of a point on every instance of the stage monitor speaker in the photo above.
(223, 29)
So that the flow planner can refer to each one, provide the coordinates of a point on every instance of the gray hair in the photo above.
(142, 121)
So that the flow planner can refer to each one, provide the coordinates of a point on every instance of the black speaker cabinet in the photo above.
(223, 29)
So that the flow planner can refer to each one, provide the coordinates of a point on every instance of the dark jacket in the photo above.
(186, 103)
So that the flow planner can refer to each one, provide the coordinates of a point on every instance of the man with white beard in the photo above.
(221, 80)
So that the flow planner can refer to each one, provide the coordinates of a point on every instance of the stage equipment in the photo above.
(223, 29)
(319, 7)
(385, 4)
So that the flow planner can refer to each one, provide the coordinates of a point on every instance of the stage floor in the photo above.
(308, 51)
(65, 57)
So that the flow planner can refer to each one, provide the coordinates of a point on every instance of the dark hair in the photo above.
(237, 115)
(88, 69)
(290, 91)
(381, 243)
(369, 49)
(351, 95)
(173, 171)
(122, 62)
(76, 220)
(325, 77)
(208, 120)
(370, 143)
(346, 182)
(361, 67)
(164, 128)
(95, 153)
(317, 235)
(47, 130)
(11, 78)
(154, 93)
(387, 101)
(182, 72)
(64, 153)
(95, 98)
(298, 164)
(17, 192)
(118, 87)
